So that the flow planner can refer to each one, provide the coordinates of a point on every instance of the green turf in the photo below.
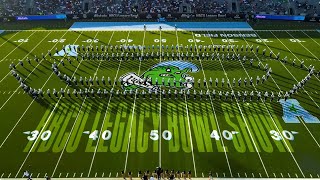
(252, 152)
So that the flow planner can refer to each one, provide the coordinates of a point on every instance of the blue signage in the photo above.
(280, 17)
(44, 17)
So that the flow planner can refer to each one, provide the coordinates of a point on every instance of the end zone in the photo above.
(166, 26)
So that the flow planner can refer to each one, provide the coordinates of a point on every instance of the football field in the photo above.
(101, 136)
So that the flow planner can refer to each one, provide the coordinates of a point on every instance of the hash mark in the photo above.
(252, 175)
(217, 174)
(289, 175)
(38, 175)
(117, 174)
(260, 174)
(10, 175)
(3, 174)
(110, 174)
(81, 174)
(238, 175)
(102, 174)
(310, 175)
(281, 174)
(202, 175)
(296, 175)
(74, 174)
(95, 175)
(318, 175)
(67, 175)
(59, 175)
(274, 175)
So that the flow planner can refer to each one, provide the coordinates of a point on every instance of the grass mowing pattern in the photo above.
(197, 120)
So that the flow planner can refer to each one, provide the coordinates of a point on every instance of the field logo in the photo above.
(69, 50)
(169, 74)
(292, 110)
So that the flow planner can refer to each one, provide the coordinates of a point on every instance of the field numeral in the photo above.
(296, 40)
(125, 40)
(166, 135)
(228, 135)
(195, 40)
(162, 40)
(229, 40)
(58, 40)
(91, 40)
(106, 135)
(263, 40)
(34, 134)
(289, 135)
(22, 40)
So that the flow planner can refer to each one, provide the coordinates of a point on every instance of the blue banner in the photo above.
(44, 17)
(280, 17)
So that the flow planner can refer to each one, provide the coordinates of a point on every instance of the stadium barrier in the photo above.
(155, 16)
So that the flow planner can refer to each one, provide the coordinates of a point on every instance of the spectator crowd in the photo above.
(44, 7)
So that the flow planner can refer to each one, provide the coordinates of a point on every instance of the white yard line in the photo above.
(16, 47)
(303, 46)
(29, 104)
(133, 109)
(272, 117)
(10, 38)
(105, 115)
(315, 140)
(245, 121)
(188, 118)
(44, 126)
(311, 38)
(77, 117)
(317, 59)
(191, 143)
(160, 103)
(5, 76)
(213, 109)
(289, 71)
(28, 74)
(216, 119)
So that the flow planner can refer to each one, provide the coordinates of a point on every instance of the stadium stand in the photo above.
(41, 7)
